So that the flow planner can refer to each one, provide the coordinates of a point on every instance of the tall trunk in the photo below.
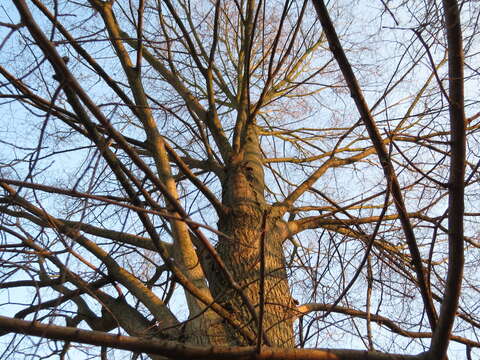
(244, 195)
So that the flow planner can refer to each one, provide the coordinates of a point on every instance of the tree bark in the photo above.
(248, 222)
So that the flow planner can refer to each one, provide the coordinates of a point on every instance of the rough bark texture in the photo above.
(243, 194)
(242, 256)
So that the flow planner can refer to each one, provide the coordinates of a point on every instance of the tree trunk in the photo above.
(244, 196)
(242, 257)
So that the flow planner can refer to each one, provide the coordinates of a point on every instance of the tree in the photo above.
(209, 180)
